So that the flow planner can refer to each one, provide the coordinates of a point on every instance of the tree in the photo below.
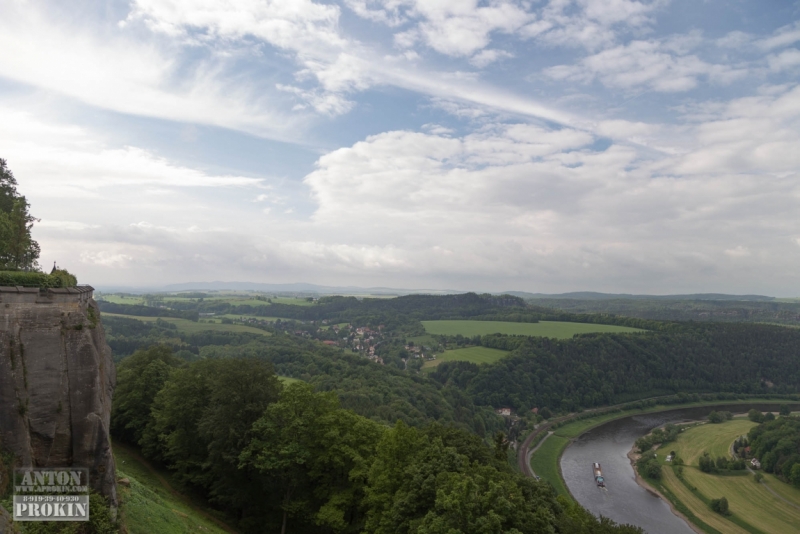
(315, 455)
(785, 410)
(755, 416)
(18, 250)
(139, 378)
(720, 505)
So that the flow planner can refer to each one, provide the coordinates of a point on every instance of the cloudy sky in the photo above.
(648, 146)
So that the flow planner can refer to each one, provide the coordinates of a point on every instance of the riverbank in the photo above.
(574, 425)
(633, 456)
(753, 507)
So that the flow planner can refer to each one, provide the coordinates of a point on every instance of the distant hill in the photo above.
(592, 295)
(298, 287)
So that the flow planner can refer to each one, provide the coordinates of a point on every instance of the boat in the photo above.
(598, 475)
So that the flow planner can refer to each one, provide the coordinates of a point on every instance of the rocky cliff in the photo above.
(56, 381)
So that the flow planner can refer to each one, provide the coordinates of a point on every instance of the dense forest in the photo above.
(289, 459)
(777, 444)
(382, 393)
(596, 369)
(688, 309)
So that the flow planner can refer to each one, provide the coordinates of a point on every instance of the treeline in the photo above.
(146, 311)
(776, 444)
(278, 459)
(125, 336)
(681, 309)
(598, 369)
(401, 314)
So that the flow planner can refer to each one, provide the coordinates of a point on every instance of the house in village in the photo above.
(755, 463)
(503, 411)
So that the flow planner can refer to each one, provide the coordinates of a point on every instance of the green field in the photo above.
(470, 354)
(754, 508)
(191, 327)
(556, 329)
(545, 462)
(119, 299)
(150, 505)
(716, 439)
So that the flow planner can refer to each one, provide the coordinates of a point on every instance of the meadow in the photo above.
(753, 508)
(470, 354)
(191, 327)
(544, 462)
(150, 504)
(554, 329)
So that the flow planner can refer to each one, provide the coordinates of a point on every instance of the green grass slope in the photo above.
(149, 505)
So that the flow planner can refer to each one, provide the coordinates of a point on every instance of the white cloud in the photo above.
(783, 36)
(662, 66)
(486, 57)
(738, 252)
(117, 70)
(788, 59)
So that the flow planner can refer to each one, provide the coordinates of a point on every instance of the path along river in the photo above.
(624, 500)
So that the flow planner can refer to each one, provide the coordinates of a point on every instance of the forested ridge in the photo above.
(777, 444)
(686, 309)
(596, 369)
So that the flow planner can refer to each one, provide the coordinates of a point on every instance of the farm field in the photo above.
(119, 299)
(716, 439)
(256, 317)
(470, 354)
(190, 327)
(751, 503)
(556, 329)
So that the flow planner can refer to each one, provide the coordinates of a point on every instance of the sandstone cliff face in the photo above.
(56, 381)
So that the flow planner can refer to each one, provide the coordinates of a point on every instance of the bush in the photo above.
(758, 477)
(720, 506)
(60, 278)
(719, 417)
(755, 416)
(649, 467)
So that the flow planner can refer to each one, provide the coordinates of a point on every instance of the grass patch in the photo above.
(149, 506)
(555, 329)
(545, 462)
(470, 354)
(191, 327)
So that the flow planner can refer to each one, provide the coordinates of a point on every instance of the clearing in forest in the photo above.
(556, 329)
(469, 354)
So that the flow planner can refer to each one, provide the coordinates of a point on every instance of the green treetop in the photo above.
(18, 250)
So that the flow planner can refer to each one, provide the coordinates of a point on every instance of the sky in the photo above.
(640, 146)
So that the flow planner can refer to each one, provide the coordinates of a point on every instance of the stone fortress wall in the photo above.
(57, 377)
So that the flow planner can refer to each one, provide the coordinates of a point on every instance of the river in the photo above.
(624, 500)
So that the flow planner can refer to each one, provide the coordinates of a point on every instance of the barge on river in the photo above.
(598, 475)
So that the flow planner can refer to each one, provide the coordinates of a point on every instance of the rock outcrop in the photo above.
(56, 381)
